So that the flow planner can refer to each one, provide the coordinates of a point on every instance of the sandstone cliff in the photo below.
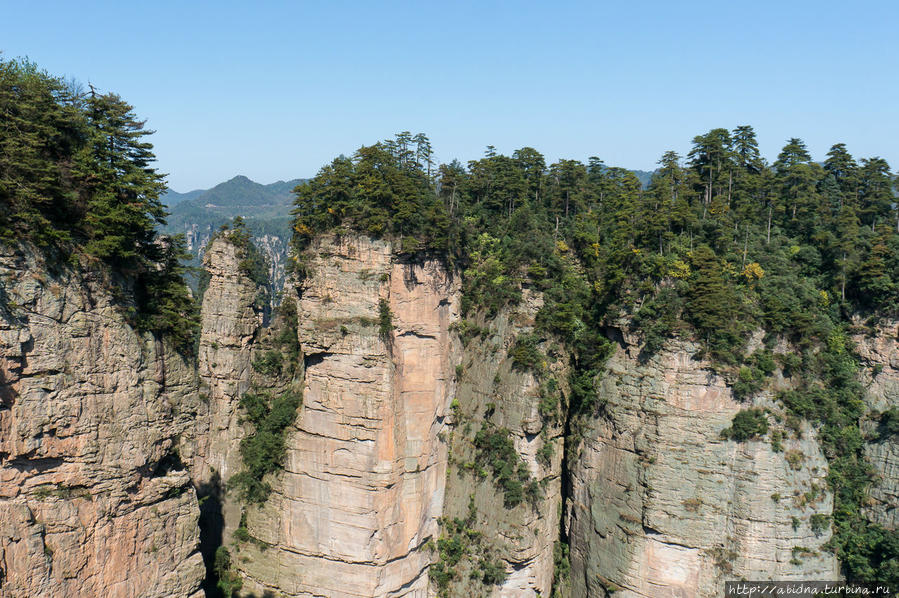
(393, 480)
(494, 395)
(364, 478)
(94, 500)
(879, 352)
(230, 320)
(662, 506)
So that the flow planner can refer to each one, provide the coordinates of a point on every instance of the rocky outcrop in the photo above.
(273, 246)
(496, 395)
(105, 433)
(364, 478)
(878, 350)
(230, 320)
(94, 499)
(662, 506)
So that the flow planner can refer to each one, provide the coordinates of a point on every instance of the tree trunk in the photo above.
(745, 245)
(843, 281)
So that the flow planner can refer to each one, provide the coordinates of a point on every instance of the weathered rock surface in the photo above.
(93, 498)
(492, 392)
(230, 321)
(273, 246)
(104, 433)
(879, 353)
(661, 506)
(364, 479)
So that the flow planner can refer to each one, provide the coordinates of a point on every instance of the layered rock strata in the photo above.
(230, 321)
(879, 353)
(494, 393)
(662, 506)
(94, 500)
(365, 473)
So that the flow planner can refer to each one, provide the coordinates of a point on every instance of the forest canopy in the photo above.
(77, 177)
(720, 244)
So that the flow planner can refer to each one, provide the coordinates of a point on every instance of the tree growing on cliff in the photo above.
(77, 178)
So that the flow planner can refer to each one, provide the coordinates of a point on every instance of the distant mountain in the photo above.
(237, 197)
(172, 198)
(644, 176)
(265, 208)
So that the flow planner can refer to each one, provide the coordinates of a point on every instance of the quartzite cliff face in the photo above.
(108, 435)
(879, 352)
(94, 500)
(364, 477)
(663, 506)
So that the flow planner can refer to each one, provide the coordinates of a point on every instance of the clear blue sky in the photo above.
(273, 90)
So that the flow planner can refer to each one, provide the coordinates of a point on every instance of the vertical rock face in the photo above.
(493, 393)
(662, 506)
(273, 246)
(103, 432)
(364, 479)
(879, 353)
(94, 500)
(229, 325)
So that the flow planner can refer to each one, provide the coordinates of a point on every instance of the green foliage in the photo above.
(229, 581)
(287, 339)
(713, 305)
(268, 363)
(525, 354)
(660, 319)
(242, 534)
(164, 304)
(545, 452)
(467, 330)
(748, 424)
(252, 263)
(888, 426)
(385, 319)
(263, 450)
(550, 399)
(561, 569)
(510, 473)
(488, 284)
(460, 543)
(818, 523)
(493, 572)
(381, 191)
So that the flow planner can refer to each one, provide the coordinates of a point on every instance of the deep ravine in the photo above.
(424, 459)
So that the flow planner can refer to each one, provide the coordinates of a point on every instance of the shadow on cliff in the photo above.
(212, 525)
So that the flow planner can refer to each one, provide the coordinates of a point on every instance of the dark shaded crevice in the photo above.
(212, 526)
(169, 463)
(417, 334)
(314, 359)
(39, 465)
(566, 485)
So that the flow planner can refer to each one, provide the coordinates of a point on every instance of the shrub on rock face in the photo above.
(749, 424)
(889, 423)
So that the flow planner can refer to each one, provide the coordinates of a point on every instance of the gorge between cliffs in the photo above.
(429, 455)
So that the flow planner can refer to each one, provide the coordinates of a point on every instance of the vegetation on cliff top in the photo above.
(76, 177)
(720, 244)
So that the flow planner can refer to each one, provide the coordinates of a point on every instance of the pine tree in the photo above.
(875, 192)
(121, 187)
(712, 304)
(40, 129)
